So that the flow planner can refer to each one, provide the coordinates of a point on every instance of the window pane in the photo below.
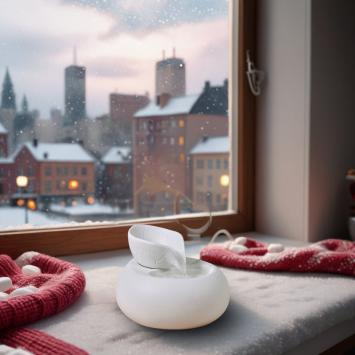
(121, 113)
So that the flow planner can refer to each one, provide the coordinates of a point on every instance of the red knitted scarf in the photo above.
(331, 256)
(60, 284)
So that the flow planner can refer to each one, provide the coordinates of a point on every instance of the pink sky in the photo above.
(37, 37)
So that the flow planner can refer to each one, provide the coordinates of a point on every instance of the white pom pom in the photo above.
(5, 284)
(237, 248)
(240, 240)
(275, 248)
(22, 291)
(3, 297)
(30, 270)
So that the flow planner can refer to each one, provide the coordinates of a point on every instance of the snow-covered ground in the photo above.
(87, 210)
(11, 217)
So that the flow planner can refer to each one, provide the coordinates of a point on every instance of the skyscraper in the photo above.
(170, 76)
(8, 98)
(75, 93)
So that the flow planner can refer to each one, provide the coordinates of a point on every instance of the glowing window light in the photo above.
(73, 184)
(224, 180)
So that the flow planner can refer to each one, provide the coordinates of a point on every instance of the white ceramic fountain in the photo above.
(162, 288)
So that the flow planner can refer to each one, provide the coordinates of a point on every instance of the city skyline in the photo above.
(113, 58)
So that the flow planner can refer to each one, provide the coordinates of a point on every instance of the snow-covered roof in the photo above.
(117, 155)
(211, 145)
(175, 106)
(8, 160)
(2, 129)
(59, 152)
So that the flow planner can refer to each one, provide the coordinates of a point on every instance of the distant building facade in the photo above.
(4, 150)
(210, 174)
(56, 172)
(170, 77)
(75, 94)
(122, 109)
(164, 137)
(118, 182)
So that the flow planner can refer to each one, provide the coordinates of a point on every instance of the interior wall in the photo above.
(332, 129)
(283, 118)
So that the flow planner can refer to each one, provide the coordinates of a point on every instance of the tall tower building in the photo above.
(75, 93)
(170, 76)
(8, 98)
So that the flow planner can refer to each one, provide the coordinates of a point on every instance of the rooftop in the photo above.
(58, 152)
(117, 155)
(211, 145)
(175, 106)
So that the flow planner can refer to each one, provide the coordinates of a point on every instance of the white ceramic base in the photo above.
(164, 299)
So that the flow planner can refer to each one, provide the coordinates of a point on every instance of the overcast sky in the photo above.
(118, 41)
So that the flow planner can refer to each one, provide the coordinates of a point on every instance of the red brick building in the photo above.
(118, 177)
(55, 171)
(4, 144)
(122, 109)
(165, 131)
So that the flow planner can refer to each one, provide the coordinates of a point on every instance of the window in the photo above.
(226, 164)
(100, 130)
(200, 164)
(181, 140)
(181, 123)
(210, 181)
(48, 186)
(48, 171)
(210, 164)
(199, 180)
(218, 164)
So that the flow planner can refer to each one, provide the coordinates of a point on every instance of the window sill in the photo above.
(281, 312)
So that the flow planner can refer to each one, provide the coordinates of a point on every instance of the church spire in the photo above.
(8, 98)
(24, 104)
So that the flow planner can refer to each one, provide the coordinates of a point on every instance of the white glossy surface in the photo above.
(156, 247)
(161, 288)
(164, 299)
(5, 283)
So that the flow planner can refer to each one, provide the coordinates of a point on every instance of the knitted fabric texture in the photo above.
(38, 343)
(60, 284)
(331, 256)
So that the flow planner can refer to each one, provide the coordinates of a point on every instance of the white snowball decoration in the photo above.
(31, 270)
(237, 248)
(240, 240)
(3, 297)
(5, 284)
(275, 248)
(161, 288)
(22, 291)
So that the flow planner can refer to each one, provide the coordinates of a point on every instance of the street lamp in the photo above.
(22, 183)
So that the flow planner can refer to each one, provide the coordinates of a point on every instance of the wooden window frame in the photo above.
(87, 239)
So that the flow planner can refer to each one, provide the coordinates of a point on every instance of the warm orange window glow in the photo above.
(182, 157)
(181, 140)
(181, 123)
(91, 200)
(31, 204)
(73, 184)
(20, 202)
